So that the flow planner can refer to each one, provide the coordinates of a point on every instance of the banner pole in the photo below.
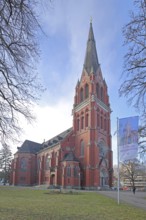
(118, 183)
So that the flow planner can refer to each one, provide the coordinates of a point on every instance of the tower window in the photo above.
(82, 148)
(82, 122)
(102, 95)
(105, 124)
(108, 129)
(97, 90)
(87, 120)
(78, 124)
(81, 95)
(98, 120)
(86, 91)
(101, 122)
(76, 99)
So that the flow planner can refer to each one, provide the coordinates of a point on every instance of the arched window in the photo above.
(98, 123)
(97, 90)
(23, 164)
(82, 122)
(108, 128)
(78, 124)
(81, 95)
(48, 162)
(102, 95)
(76, 100)
(39, 163)
(75, 171)
(105, 124)
(68, 171)
(86, 91)
(101, 119)
(102, 149)
(87, 120)
(82, 148)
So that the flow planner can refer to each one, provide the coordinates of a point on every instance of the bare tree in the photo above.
(5, 163)
(134, 32)
(142, 140)
(134, 85)
(19, 86)
(129, 171)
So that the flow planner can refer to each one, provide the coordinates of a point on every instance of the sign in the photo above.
(128, 138)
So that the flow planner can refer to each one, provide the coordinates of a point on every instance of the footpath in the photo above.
(138, 199)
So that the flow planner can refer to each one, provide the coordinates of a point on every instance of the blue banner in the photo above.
(128, 138)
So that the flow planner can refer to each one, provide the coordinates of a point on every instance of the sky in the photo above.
(62, 53)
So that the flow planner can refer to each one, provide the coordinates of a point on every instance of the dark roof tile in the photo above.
(33, 147)
(29, 147)
(53, 141)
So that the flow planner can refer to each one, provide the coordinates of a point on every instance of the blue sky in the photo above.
(66, 24)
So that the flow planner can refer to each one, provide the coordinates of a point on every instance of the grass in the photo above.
(22, 203)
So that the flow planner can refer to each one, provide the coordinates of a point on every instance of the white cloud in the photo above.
(50, 121)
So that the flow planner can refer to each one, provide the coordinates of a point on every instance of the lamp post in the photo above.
(79, 180)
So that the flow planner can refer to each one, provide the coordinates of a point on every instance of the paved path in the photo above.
(138, 200)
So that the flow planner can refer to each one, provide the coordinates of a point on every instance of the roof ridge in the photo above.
(69, 129)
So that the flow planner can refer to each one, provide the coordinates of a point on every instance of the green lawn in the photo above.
(21, 203)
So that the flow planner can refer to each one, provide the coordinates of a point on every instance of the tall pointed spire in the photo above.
(91, 60)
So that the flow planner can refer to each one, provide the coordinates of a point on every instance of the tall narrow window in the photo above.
(101, 122)
(76, 100)
(81, 95)
(97, 90)
(98, 124)
(105, 124)
(48, 162)
(23, 164)
(75, 171)
(102, 95)
(82, 122)
(78, 124)
(87, 120)
(39, 163)
(82, 148)
(68, 171)
(108, 129)
(86, 91)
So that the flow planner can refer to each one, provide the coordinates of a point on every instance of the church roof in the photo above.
(55, 140)
(29, 147)
(91, 60)
(33, 147)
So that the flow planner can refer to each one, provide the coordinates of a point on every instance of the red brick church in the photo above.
(81, 156)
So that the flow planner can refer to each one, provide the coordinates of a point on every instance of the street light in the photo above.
(79, 180)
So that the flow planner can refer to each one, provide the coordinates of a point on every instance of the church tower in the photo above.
(91, 122)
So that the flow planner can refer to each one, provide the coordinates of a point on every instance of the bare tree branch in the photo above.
(134, 85)
(19, 84)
